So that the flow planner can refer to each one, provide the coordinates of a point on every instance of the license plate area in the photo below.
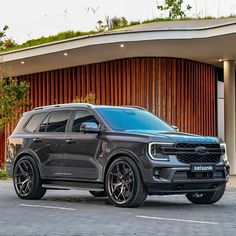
(202, 168)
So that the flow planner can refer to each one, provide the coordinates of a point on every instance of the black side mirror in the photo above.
(89, 127)
(175, 127)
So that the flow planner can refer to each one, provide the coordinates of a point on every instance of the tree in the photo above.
(101, 27)
(112, 23)
(117, 22)
(13, 97)
(174, 8)
(3, 34)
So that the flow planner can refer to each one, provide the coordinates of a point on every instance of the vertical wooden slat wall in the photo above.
(180, 91)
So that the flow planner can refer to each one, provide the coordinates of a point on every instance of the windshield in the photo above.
(125, 119)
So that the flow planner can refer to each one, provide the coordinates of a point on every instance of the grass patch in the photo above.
(52, 38)
(3, 174)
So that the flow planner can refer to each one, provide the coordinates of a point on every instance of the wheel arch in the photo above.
(117, 155)
(32, 155)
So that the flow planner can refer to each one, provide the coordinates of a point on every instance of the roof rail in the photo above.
(137, 107)
(64, 105)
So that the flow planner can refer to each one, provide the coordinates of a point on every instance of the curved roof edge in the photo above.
(163, 30)
(206, 41)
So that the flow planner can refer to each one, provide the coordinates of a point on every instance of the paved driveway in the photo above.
(78, 213)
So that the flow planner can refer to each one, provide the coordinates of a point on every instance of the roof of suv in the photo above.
(66, 105)
(88, 105)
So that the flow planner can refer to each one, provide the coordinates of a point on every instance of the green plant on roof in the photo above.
(112, 23)
(8, 43)
(52, 38)
(174, 8)
(101, 27)
(117, 22)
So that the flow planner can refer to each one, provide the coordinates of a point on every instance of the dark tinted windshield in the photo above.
(123, 119)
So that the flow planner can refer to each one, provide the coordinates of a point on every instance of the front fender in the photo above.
(121, 152)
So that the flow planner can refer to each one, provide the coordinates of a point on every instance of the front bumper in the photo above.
(183, 188)
(165, 178)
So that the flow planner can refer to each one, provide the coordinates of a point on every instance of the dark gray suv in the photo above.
(124, 153)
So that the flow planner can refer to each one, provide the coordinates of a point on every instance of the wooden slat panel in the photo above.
(116, 85)
(174, 104)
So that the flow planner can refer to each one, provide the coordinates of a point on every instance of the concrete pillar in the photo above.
(230, 107)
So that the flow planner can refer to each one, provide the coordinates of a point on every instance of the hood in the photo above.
(175, 136)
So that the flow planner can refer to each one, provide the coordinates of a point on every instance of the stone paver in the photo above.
(73, 213)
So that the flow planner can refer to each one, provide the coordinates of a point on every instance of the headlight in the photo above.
(224, 151)
(155, 151)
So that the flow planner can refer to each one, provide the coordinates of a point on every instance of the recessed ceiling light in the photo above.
(122, 45)
(220, 60)
(65, 54)
(22, 62)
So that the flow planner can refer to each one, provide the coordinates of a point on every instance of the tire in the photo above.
(98, 193)
(26, 178)
(124, 184)
(207, 197)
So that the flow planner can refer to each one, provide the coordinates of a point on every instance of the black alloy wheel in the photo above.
(27, 181)
(124, 184)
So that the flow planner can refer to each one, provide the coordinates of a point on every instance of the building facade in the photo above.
(171, 70)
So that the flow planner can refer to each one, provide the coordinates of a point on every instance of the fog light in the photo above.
(157, 173)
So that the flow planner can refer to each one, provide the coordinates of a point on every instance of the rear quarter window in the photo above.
(34, 122)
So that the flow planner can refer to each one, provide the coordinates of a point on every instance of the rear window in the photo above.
(55, 121)
(34, 121)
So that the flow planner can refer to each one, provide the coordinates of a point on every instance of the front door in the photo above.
(81, 149)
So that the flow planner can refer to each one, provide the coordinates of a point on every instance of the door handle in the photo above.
(70, 141)
(37, 140)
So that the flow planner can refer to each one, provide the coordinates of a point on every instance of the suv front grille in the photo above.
(186, 152)
(194, 145)
(194, 158)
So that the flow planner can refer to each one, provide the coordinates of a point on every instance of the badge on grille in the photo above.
(201, 151)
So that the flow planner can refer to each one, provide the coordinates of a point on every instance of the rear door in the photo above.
(48, 143)
(81, 149)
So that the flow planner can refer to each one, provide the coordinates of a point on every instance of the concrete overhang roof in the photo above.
(200, 40)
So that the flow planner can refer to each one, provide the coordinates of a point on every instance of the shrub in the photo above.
(89, 98)
(3, 174)
(13, 97)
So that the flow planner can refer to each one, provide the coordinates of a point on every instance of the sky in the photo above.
(28, 19)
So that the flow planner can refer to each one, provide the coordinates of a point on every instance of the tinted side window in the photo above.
(43, 126)
(34, 121)
(55, 122)
(81, 117)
